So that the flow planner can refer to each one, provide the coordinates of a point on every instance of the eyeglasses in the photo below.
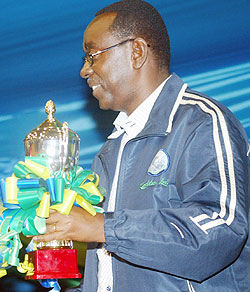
(89, 57)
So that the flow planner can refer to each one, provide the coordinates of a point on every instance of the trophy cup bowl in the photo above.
(55, 259)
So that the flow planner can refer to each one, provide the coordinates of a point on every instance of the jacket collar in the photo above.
(160, 119)
(135, 122)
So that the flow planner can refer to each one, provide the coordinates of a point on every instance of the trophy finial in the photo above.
(50, 109)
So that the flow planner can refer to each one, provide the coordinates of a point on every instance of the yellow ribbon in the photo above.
(26, 267)
(12, 189)
(65, 207)
(92, 188)
(43, 209)
(3, 273)
(37, 169)
(85, 205)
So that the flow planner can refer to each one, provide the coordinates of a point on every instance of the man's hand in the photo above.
(78, 225)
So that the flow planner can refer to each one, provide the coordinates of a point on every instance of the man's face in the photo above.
(110, 76)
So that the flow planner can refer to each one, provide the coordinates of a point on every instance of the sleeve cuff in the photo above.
(111, 243)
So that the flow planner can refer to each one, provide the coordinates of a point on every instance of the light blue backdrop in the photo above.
(40, 59)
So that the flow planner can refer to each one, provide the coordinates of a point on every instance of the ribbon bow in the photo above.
(29, 194)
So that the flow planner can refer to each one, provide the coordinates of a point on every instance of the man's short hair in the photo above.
(136, 18)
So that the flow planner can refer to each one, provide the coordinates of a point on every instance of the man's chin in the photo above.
(104, 106)
(105, 103)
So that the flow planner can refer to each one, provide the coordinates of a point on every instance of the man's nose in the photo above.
(86, 70)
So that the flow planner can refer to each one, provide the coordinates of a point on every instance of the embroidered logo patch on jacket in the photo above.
(160, 163)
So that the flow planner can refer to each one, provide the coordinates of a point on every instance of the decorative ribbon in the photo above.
(29, 194)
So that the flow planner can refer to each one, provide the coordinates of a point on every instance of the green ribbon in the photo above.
(28, 198)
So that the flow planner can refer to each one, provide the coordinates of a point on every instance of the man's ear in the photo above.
(139, 53)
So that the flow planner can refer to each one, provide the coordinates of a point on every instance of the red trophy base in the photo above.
(58, 263)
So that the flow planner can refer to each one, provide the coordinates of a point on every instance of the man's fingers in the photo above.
(53, 232)
(51, 220)
(54, 217)
(51, 228)
(47, 237)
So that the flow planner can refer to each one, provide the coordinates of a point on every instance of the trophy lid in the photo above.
(54, 139)
(51, 128)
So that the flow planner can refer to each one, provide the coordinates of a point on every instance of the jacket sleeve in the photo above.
(206, 231)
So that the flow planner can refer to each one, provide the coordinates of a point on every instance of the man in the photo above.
(175, 168)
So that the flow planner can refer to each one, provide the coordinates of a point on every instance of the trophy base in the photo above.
(60, 263)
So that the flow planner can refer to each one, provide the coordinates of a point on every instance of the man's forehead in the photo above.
(107, 17)
(98, 28)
